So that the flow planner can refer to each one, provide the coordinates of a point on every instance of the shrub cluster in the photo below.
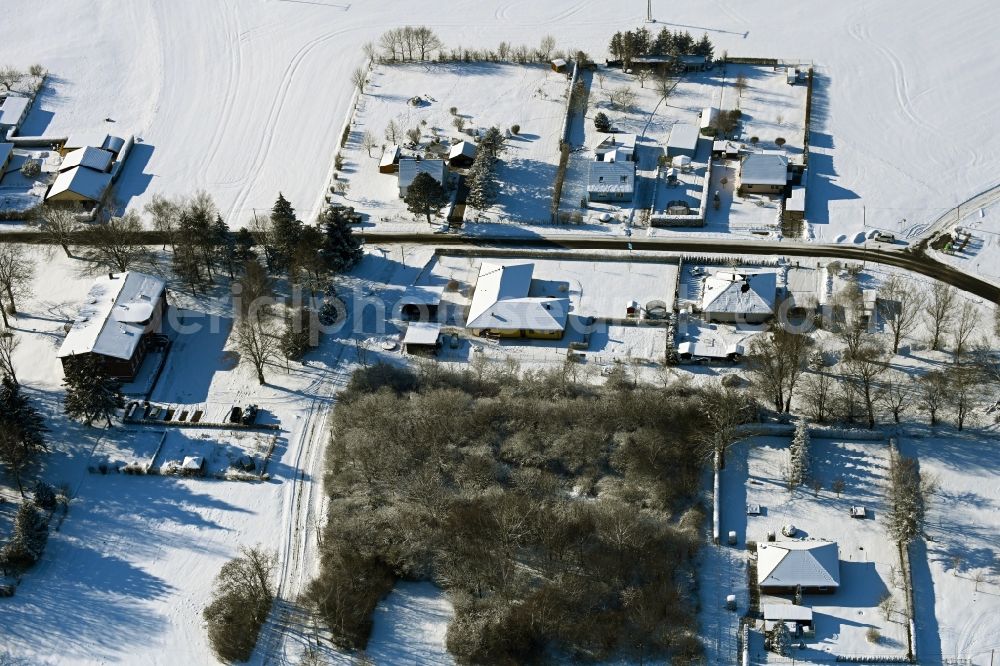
(559, 517)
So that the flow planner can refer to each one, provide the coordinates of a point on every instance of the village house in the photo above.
(79, 185)
(409, 168)
(462, 155)
(502, 307)
(612, 173)
(763, 173)
(118, 323)
(811, 567)
(739, 296)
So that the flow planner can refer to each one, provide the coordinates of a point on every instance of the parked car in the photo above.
(885, 237)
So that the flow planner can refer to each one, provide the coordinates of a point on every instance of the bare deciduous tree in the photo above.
(545, 48)
(359, 77)
(601, 78)
(166, 215)
(817, 394)
(368, 142)
(8, 343)
(116, 244)
(59, 225)
(864, 367)
(939, 311)
(932, 392)
(392, 132)
(622, 97)
(900, 305)
(777, 359)
(257, 341)
(17, 270)
(895, 393)
(642, 76)
(963, 389)
(966, 324)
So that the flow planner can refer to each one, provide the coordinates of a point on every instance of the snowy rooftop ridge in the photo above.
(113, 319)
(82, 181)
(740, 292)
(501, 301)
(804, 563)
(90, 157)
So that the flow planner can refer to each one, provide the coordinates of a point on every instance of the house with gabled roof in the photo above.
(763, 173)
(739, 296)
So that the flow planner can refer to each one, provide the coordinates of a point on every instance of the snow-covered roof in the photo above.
(12, 109)
(90, 157)
(764, 169)
(421, 295)
(559, 62)
(683, 137)
(85, 182)
(619, 145)
(740, 292)
(787, 612)
(725, 146)
(422, 333)
(501, 301)
(804, 563)
(611, 177)
(113, 319)
(408, 170)
(463, 148)
(113, 143)
(193, 462)
(708, 116)
(390, 156)
(709, 348)
(6, 149)
(797, 202)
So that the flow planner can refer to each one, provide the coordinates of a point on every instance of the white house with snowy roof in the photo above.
(501, 305)
(739, 296)
(116, 324)
(810, 565)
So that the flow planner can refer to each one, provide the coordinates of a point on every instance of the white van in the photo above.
(885, 237)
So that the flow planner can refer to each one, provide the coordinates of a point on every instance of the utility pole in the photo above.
(649, 11)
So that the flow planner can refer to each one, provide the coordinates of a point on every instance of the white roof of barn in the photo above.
(792, 563)
(466, 148)
(408, 170)
(422, 333)
(501, 301)
(740, 292)
(12, 109)
(83, 181)
(764, 169)
(683, 137)
(112, 320)
(92, 158)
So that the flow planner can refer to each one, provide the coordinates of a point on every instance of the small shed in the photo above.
(708, 117)
(559, 65)
(462, 154)
(632, 309)
(791, 75)
(421, 336)
(683, 140)
(795, 205)
(799, 619)
(681, 162)
(725, 149)
(13, 110)
(390, 160)
(193, 466)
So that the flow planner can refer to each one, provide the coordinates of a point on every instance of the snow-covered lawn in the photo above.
(483, 95)
(956, 616)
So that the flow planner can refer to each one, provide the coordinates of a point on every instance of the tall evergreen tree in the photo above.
(244, 244)
(704, 47)
(22, 430)
(90, 392)
(225, 243)
(425, 196)
(493, 143)
(341, 248)
(798, 472)
(285, 230)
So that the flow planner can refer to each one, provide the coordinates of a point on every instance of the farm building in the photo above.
(117, 324)
(390, 160)
(6, 150)
(812, 566)
(462, 155)
(559, 65)
(739, 297)
(79, 185)
(683, 140)
(409, 168)
(13, 111)
(694, 63)
(97, 159)
(421, 336)
(502, 307)
(763, 173)
(420, 303)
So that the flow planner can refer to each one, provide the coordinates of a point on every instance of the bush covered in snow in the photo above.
(559, 517)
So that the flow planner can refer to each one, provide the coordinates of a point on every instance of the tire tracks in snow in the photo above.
(234, 43)
(259, 159)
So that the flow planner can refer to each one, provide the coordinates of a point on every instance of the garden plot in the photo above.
(483, 95)
(869, 560)
(771, 108)
(956, 570)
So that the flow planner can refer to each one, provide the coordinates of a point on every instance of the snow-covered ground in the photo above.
(976, 248)
(246, 98)
(483, 95)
